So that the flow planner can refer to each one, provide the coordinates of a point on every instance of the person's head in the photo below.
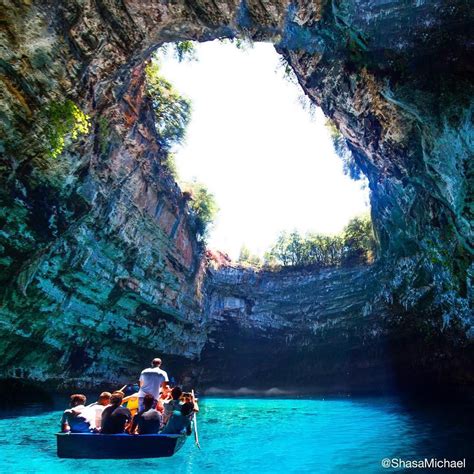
(165, 386)
(116, 398)
(156, 362)
(176, 393)
(148, 401)
(104, 398)
(187, 408)
(77, 399)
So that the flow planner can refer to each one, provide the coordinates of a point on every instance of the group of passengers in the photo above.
(161, 409)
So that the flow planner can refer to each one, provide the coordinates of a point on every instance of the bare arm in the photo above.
(133, 426)
(65, 428)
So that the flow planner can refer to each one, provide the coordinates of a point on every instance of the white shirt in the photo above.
(77, 419)
(151, 380)
(93, 413)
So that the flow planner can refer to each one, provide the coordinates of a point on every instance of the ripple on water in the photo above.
(267, 435)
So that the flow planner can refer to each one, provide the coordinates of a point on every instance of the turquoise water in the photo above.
(265, 436)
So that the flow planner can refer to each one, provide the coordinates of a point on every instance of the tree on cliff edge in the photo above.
(355, 245)
(203, 205)
(172, 110)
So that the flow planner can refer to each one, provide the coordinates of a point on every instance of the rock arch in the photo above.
(87, 241)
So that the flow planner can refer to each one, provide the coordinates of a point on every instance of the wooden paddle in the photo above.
(196, 435)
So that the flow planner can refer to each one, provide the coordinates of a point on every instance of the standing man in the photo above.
(150, 381)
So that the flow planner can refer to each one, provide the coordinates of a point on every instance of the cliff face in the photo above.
(100, 264)
(281, 329)
(329, 330)
(397, 83)
(108, 265)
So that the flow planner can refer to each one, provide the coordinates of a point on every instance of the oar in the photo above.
(196, 435)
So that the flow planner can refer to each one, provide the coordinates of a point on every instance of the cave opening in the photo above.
(103, 265)
(96, 238)
(261, 148)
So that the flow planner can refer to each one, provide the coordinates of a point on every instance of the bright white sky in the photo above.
(269, 164)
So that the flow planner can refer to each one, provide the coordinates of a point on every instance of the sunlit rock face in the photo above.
(114, 263)
(100, 264)
(400, 91)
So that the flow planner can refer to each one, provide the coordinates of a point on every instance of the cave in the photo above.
(101, 266)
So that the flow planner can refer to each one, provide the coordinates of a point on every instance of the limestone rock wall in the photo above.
(321, 330)
(280, 329)
(98, 251)
(398, 82)
(115, 278)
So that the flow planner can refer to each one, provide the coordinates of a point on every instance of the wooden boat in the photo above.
(118, 446)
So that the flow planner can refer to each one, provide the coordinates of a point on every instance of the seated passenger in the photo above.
(94, 411)
(180, 420)
(73, 419)
(171, 405)
(186, 397)
(148, 421)
(115, 417)
(189, 397)
(165, 393)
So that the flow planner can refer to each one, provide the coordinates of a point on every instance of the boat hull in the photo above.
(117, 446)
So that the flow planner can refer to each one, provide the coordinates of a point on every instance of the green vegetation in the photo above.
(172, 115)
(203, 205)
(247, 258)
(172, 111)
(286, 70)
(185, 51)
(244, 44)
(104, 134)
(350, 167)
(181, 50)
(65, 121)
(355, 245)
(169, 163)
(359, 241)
